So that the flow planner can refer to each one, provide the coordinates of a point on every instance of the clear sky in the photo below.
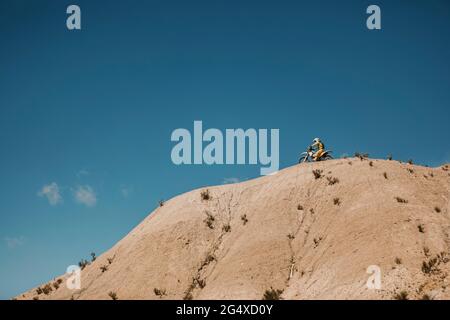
(89, 113)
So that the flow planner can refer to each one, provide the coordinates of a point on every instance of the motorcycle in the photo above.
(308, 156)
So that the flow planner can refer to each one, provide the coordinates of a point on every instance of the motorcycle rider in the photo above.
(319, 148)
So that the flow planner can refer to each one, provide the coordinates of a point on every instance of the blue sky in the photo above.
(89, 113)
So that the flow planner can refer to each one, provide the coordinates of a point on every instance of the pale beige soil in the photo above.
(320, 250)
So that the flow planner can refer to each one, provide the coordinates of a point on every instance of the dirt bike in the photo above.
(308, 156)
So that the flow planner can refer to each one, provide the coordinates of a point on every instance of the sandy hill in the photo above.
(308, 235)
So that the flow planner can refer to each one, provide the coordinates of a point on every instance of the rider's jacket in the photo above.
(320, 145)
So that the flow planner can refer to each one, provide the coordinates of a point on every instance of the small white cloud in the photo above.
(86, 195)
(230, 180)
(51, 192)
(14, 242)
(82, 172)
(126, 191)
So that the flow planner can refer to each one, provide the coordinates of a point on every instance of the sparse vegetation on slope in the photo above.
(159, 292)
(113, 295)
(272, 294)
(317, 173)
(209, 220)
(402, 295)
(205, 195)
(57, 283)
(361, 156)
(401, 200)
(47, 289)
(83, 264)
(430, 266)
(332, 180)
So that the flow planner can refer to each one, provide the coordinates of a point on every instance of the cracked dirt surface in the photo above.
(297, 238)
